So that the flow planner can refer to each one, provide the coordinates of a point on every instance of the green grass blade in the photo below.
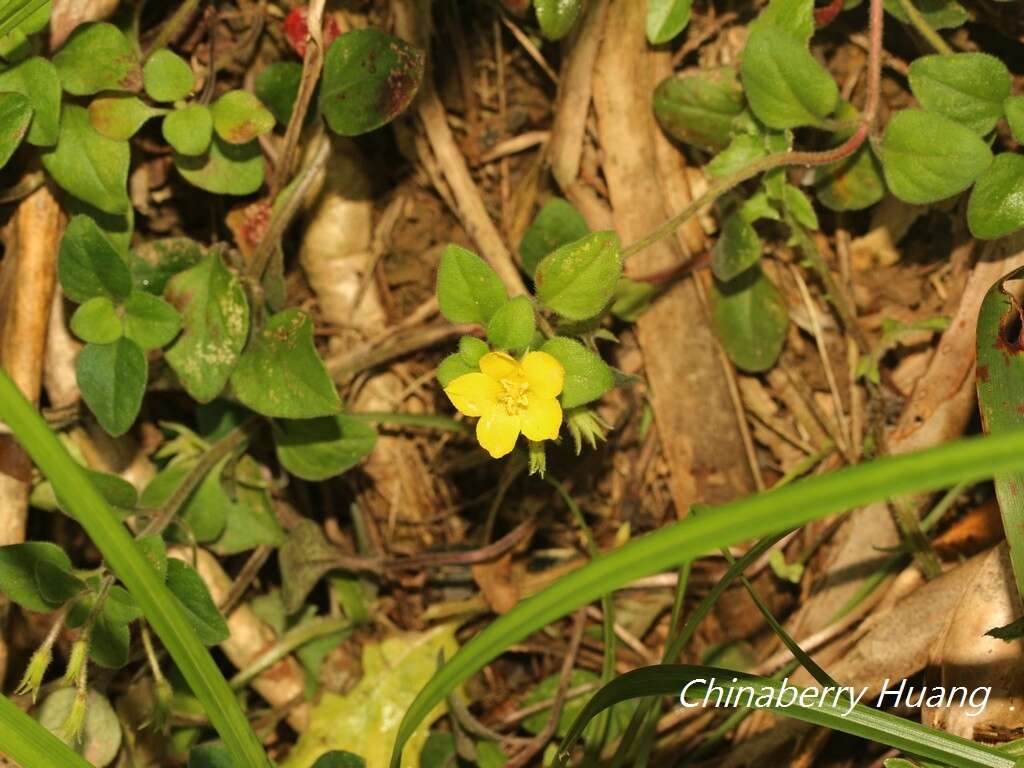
(162, 609)
(1000, 397)
(863, 721)
(29, 744)
(16, 12)
(733, 523)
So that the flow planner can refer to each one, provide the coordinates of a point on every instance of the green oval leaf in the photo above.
(88, 165)
(101, 733)
(226, 169)
(587, 376)
(280, 373)
(666, 19)
(452, 367)
(784, 83)
(98, 57)
(15, 117)
(188, 587)
(150, 321)
(18, 563)
(189, 129)
(1014, 108)
(750, 319)
(468, 290)
(557, 17)
(928, 157)
(167, 77)
(215, 325)
(369, 79)
(557, 223)
(119, 116)
(318, 449)
(513, 325)
(112, 378)
(577, 280)
(699, 109)
(737, 250)
(277, 86)
(471, 349)
(96, 321)
(967, 87)
(996, 206)
(239, 117)
(36, 79)
(88, 265)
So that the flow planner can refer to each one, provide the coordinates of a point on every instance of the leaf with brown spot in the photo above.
(1000, 392)
(369, 78)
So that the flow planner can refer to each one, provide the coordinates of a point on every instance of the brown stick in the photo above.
(29, 277)
(413, 23)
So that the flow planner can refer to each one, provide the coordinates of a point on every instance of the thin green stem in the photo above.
(720, 186)
(924, 28)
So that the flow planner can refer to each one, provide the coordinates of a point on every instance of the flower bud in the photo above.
(585, 426)
(71, 729)
(34, 673)
(77, 662)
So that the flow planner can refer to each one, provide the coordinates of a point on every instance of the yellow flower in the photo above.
(511, 396)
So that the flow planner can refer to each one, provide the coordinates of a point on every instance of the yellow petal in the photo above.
(498, 365)
(541, 419)
(497, 432)
(473, 394)
(544, 373)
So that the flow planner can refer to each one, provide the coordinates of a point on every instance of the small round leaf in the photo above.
(119, 116)
(150, 321)
(578, 279)
(97, 322)
(513, 325)
(928, 157)
(167, 77)
(996, 207)
(112, 378)
(189, 129)
(239, 117)
(369, 78)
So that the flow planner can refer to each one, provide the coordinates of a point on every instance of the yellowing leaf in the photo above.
(365, 721)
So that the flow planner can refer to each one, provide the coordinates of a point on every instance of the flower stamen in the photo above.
(514, 397)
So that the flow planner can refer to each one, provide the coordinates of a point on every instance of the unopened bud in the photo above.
(34, 673)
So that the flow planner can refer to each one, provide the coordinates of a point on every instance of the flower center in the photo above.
(513, 396)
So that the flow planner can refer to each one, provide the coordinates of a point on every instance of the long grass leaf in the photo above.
(733, 523)
(161, 607)
(828, 711)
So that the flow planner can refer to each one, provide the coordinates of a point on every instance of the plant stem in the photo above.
(924, 28)
(172, 27)
(167, 511)
(720, 186)
(285, 209)
(312, 63)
